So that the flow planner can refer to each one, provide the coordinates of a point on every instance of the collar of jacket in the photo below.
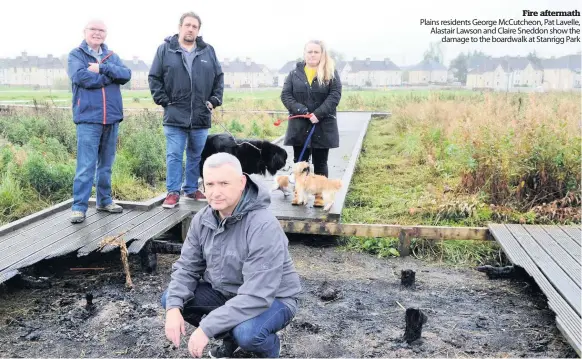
(84, 47)
(174, 45)
(300, 71)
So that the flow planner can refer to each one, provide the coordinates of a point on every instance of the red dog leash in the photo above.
(279, 121)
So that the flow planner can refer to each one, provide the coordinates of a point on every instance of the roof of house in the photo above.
(571, 62)
(507, 63)
(136, 65)
(372, 65)
(241, 66)
(428, 65)
(25, 61)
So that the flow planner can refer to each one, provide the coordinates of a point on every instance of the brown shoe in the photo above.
(318, 202)
(198, 196)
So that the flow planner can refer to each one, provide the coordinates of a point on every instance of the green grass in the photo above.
(467, 161)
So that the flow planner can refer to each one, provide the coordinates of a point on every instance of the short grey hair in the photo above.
(222, 158)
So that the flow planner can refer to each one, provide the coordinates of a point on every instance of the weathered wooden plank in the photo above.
(574, 232)
(115, 228)
(96, 234)
(12, 226)
(28, 237)
(385, 230)
(34, 227)
(556, 252)
(7, 274)
(566, 318)
(161, 227)
(338, 205)
(556, 275)
(141, 206)
(565, 241)
(105, 221)
(12, 253)
(146, 219)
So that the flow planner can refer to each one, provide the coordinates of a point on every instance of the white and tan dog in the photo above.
(307, 183)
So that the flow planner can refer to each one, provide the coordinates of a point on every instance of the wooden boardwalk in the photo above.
(552, 256)
(49, 233)
(341, 165)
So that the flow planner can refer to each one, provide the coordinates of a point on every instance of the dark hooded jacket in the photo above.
(301, 98)
(183, 94)
(244, 256)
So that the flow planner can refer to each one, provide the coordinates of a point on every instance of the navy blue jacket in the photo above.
(97, 97)
(182, 96)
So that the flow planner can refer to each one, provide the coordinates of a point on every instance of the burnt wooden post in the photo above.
(148, 258)
(185, 226)
(415, 319)
(407, 278)
(404, 243)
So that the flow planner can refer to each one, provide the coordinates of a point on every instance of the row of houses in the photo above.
(561, 73)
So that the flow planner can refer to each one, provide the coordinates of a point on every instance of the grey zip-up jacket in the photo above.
(245, 257)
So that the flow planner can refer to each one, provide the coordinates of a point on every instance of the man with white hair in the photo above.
(235, 278)
(96, 75)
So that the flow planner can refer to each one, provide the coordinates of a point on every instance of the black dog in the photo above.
(271, 158)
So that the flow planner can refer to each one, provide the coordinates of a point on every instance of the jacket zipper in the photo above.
(103, 92)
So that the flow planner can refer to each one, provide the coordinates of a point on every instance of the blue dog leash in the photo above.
(306, 142)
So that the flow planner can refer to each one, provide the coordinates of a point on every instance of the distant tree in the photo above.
(434, 52)
(336, 56)
(459, 67)
(533, 57)
(462, 64)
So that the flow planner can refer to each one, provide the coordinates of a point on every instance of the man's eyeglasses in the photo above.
(96, 30)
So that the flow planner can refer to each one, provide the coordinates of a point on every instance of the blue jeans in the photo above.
(257, 335)
(178, 139)
(96, 145)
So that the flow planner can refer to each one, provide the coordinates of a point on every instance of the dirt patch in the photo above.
(352, 306)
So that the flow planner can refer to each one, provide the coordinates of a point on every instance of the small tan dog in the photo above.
(307, 183)
(282, 184)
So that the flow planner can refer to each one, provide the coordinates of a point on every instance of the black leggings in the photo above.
(319, 158)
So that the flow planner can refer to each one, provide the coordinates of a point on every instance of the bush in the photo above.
(49, 180)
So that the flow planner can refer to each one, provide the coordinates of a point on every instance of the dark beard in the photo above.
(189, 39)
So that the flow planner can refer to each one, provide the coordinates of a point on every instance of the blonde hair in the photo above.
(326, 67)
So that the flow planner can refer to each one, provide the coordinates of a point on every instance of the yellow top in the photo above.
(310, 72)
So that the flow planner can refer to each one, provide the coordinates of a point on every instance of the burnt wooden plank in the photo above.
(565, 286)
(145, 219)
(574, 232)
(565, 241)
(155, 230)
(567, 320)
(556, 252)
(96, 233)
(91, 225)
(115, 228)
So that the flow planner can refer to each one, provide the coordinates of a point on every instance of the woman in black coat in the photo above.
(313, 87)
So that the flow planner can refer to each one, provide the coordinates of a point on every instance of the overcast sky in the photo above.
(269, 32)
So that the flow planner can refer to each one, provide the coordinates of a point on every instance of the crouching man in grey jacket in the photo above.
(234, 269)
